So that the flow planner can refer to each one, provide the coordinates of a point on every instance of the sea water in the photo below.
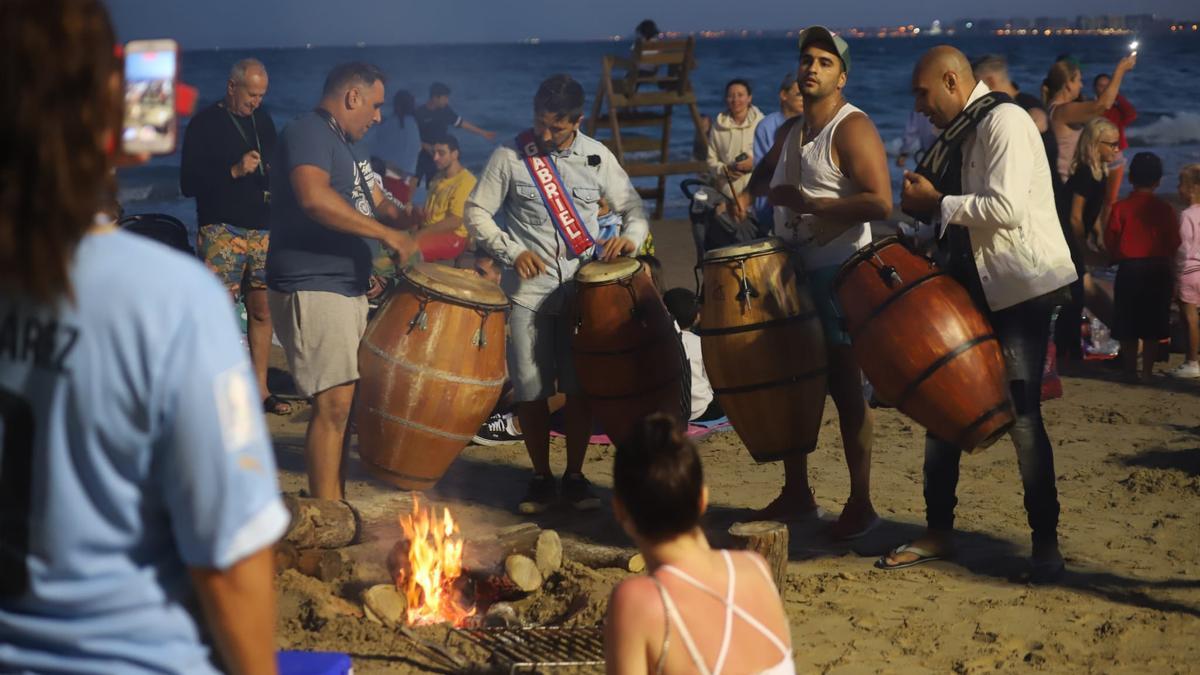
(493, 87)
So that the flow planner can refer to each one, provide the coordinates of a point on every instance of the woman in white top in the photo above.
(731, 140)
(698, 610)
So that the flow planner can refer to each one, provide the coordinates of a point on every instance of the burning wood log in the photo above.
(513, 562)
(770, 540)
(597, 556)
(321, 523)
(353, 568)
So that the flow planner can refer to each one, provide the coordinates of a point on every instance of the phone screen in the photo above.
(149, 98)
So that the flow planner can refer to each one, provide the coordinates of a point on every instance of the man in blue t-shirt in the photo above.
(135, 468)
(325, 217)
(136, 458)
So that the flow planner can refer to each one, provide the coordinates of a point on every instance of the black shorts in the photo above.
(1142, 299)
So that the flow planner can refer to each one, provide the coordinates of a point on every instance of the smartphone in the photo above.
(1133, 47)
(150, 70)
(741, 157)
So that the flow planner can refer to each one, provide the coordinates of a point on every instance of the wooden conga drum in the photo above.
(628, 355)
(764, 348)
(432, 367)
(925, 346)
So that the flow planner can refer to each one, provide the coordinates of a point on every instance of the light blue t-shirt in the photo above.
(764, 138)
(133, 448)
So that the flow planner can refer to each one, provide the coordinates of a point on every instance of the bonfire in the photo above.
(435, 554)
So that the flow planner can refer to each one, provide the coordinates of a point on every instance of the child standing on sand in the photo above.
(1142, 238)
(1187, 266)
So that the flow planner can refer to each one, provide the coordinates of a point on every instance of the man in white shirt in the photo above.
(1005, 245)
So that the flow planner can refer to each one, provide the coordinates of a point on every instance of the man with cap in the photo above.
(831, 180)
(996, 223)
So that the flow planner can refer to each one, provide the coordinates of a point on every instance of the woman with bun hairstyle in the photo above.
(698, 609)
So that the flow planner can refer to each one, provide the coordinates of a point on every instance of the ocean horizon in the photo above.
(493, 86)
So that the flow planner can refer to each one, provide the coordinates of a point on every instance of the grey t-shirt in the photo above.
(304, 255)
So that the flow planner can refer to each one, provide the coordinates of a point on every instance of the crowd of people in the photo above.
(137, 470)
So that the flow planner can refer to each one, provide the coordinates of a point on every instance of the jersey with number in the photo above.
(133, 448)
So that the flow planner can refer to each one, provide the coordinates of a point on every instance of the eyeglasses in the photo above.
(1111, 144)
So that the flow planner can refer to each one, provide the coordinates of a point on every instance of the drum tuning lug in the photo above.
(421, 320)
(890, 276)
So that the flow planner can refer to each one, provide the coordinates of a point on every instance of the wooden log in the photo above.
(523, 572)
(597, 556)
(489, 553)
(768, 539)
(548, 553)
(353, 568)
(286, 557)
(305, 561)
(321, 523)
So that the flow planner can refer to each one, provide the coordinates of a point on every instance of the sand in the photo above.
(1128, 466)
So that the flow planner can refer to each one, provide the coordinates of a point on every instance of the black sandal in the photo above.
(276, 406)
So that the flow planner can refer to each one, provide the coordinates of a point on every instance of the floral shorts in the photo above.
(235, 255)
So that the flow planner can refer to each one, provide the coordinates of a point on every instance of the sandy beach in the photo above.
(1128, 467)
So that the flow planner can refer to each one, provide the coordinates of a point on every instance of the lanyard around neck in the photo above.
(359, 178)
(257, 145)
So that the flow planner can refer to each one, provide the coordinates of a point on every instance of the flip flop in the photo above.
(860, 533)
(276, 406)
(923, 556)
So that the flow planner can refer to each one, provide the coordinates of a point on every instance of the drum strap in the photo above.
(942, 163)
(558, 203)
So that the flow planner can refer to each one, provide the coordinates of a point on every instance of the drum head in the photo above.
(746, 250)
(456, 284)
(605, 272)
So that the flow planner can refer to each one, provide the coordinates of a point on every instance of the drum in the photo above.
(925, 346)
(764, 348)
(628, 355)
(432, 367)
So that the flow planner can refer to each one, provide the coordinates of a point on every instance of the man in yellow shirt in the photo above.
(441, 232)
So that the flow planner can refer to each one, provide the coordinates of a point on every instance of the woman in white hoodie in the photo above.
(731, 140)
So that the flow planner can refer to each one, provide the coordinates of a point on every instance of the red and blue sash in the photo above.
(549, 184)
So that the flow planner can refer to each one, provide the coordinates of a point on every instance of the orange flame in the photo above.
(434, 561)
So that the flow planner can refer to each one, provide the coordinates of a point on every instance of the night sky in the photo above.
(270, 23)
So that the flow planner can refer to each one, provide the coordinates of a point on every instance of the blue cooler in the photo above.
(314, 663)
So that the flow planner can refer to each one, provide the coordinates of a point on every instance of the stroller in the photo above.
(711, 229)
(160, 227)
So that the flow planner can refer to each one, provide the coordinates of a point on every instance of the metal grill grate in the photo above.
(541, 648)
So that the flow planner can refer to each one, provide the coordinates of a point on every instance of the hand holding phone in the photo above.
(149, 124)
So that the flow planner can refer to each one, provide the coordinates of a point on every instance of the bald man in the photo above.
(224, 166)
(993, 211)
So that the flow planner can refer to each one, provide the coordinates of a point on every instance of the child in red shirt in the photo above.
(1142, 237)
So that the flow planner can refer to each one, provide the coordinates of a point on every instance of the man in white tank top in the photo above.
(832, 178)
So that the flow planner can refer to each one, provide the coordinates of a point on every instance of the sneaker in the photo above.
(1188, 370)
(498, 430)
(540, 496)
(577, 490)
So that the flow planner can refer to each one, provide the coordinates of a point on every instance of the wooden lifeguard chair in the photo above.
(640, 91)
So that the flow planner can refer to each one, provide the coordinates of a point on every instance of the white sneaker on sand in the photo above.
(1188, 370)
